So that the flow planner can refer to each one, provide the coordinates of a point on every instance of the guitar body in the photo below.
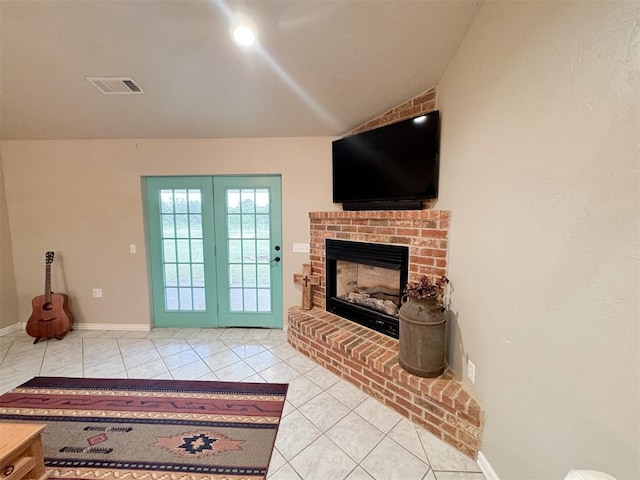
(49, 318)
(50, 315)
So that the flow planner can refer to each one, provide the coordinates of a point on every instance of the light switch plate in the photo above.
(301, 248)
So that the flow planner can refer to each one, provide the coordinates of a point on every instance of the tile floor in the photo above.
(330, 430)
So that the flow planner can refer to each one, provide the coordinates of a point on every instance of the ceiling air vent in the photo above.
(116, 85)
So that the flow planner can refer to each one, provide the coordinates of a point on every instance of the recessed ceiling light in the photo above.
(243, 35)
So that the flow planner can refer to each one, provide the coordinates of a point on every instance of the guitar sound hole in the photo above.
(47, 306)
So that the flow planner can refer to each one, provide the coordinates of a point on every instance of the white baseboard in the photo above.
(10, 329)
(485, 466)
(138, 327)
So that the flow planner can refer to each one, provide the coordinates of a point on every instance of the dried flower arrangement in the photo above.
(424, 288)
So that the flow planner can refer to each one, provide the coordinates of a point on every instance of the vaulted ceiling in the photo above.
(320, 67)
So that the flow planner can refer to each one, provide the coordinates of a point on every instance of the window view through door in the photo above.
(215, 251)
(182, 249)
(249, 258)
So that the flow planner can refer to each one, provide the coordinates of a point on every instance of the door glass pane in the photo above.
(185, 299)
(263, 252)
(248, 251)
(249, 275)
(233, 201)
(166, 201)
(171, 299)
(248, 226)
(249, 256)
(262, 201)
(199, 299)
(235, 299)
(168, 228)
(233, 222)
(235, 251)
(235, 276)
(197, 253)
(195, 201)
(184, 275)
(180, 201)
(250, 300)
(248, 204)
(264, 300)
(184, 252)
(169, 250)
(197, 275)
(195, 226)
(264, 276)
(182, 226)
(182, 249)
(262, 226)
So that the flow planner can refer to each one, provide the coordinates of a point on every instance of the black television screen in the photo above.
(394, 163)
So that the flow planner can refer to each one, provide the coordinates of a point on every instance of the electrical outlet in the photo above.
(471, 371)
(97, 293)
(132, 248)
(301, 248)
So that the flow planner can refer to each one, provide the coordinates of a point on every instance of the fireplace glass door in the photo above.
(370, 286)
(364, 282)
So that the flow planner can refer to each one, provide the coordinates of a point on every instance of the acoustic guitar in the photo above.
(50, 316)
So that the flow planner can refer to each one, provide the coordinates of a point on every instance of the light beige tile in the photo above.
(221, 360)
(359, 474)
(390, 461)
(322, 460)
(263, 360)
(301, 363)
(324, 411)
(355, 436)
(377, 414)
(276, 462)
(284, 351)
(286, 472)
(247, 350)
(147, 370)
(322, 377)
(443, 456)
(280, 373)
(347, 393)
(295, 434)
(406, 435)
(235, 372)
(181, 358)
(301, 390)
(191, 371)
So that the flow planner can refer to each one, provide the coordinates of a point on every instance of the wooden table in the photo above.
(21, 451)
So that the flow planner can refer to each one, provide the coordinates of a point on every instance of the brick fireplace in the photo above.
(369, 359)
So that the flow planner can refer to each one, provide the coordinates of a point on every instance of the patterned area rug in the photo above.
(150, 429)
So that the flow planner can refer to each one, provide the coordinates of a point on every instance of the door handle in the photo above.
(277, 259)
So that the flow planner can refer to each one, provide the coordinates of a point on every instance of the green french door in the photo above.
(215, 251)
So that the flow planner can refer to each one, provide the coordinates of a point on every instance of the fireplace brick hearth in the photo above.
(369, 359)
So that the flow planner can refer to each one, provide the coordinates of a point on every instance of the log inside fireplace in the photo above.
(364, 282)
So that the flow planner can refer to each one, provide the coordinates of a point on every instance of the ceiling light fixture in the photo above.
(244, 36)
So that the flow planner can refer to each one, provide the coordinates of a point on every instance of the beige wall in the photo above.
(540, 130)
(83, 200)
(8, 300)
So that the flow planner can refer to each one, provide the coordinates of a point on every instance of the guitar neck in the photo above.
(47, 283)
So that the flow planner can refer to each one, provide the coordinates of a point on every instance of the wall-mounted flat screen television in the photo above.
(391, 167)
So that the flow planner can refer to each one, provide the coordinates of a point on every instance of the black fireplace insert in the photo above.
(364, 282)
